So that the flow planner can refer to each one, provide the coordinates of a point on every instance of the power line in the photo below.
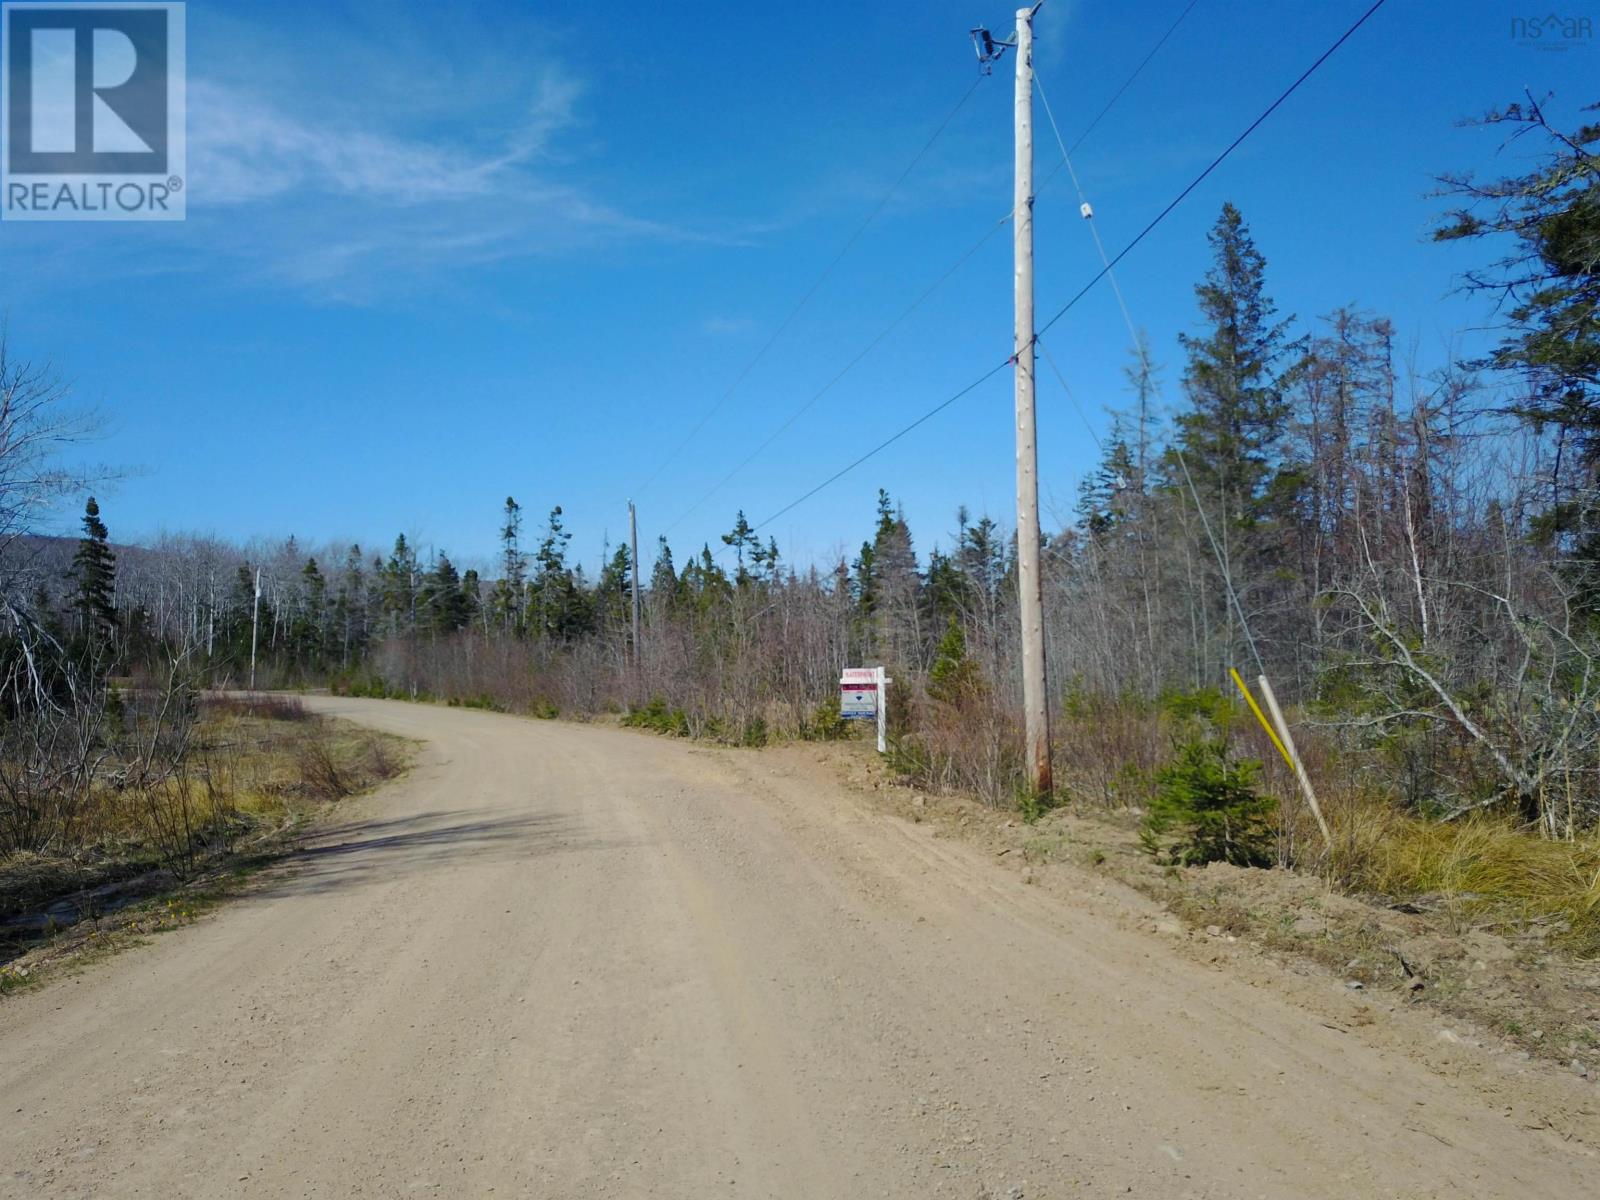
(1089, 216)
(887, 442)
(843, 371)
(1073, 399)
(1144, 363)
(920, 300)
(812, 290)
(1214, 164)
(1099, 275)
(1128, 82)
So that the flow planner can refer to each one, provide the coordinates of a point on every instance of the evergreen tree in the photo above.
(471, 597)
(306, 628)
(399, 587)
(663, 576)
(350, 608)
(1103, 495)
(509, 601)
(238, 610)
(947, 589)
(94, 576)
(443, 600)
(557, 608)
(743, 539)
(1547, 286)
(1231, 439)
(1234, 379)
(705, 582)
(615, 591)
(955, 677)
(766, 560)
(982, 558)
(864, 580)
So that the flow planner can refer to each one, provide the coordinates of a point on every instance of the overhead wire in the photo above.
(877, 340)
(837, 378)
(1128, 82)
(1139, 348)
(810, 291)
(1105, 269)
(887, 442)
(1210, 167)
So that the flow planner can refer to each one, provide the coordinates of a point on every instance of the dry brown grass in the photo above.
(256, 769)
(1484, 868)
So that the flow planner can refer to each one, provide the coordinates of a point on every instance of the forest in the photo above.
(1410, 556)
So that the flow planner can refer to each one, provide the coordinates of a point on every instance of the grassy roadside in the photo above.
(266, 769)
(1501, 963)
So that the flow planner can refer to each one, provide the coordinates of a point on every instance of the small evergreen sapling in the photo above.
(1208, 799)
(954, 678)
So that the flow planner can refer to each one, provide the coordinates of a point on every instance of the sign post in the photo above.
(883, 711)
(863, 696)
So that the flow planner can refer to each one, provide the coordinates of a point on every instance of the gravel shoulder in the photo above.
(570, 960)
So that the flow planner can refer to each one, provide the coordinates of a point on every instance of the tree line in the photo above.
(1409, 555)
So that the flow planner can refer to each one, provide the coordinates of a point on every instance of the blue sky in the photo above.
(437, 254)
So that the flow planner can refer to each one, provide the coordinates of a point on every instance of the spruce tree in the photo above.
(555, 608)
(443, 600)
(1102, 495)
(94, 575)
(471, 597)
(306, 631)
(1546, 288)
(1232, 436)
(743, 539)
(399, 587)
(1234, 380)
(510, 599)
(664, 576)
(615, 590)
(350, 607)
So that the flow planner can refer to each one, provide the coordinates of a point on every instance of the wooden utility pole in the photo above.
(255, 624)
(1030, 586)
(633, 542)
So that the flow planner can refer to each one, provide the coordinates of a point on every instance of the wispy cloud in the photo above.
(425, 161)
(333, 204)
(245, 149)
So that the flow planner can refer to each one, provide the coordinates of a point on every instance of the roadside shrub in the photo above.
(371, 687)
(659, 717)
(321, 775)
(1117, 744)
(975, 746)
(1207, 809)
(825, 724)
(482, 702)
(269, 706)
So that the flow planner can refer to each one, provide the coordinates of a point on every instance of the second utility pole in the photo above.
(633, 542)
(1035, 700)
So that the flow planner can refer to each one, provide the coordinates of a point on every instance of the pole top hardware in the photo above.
(988, 50)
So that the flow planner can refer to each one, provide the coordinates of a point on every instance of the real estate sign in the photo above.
(858, 694)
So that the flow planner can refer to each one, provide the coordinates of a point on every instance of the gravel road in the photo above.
(566, 961)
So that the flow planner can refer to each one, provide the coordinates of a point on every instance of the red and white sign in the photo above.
(858, 694)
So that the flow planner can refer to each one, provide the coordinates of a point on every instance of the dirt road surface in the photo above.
(563, 961)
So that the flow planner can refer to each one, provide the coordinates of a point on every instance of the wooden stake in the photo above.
(1294, 759)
